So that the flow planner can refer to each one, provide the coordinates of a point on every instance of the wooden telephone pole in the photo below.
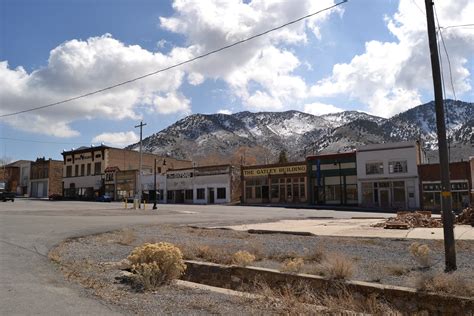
(446, 197)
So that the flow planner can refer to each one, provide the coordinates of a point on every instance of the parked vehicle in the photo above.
(7, 196)
(104, 198)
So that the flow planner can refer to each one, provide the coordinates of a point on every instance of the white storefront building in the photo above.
(387, 175)
(202, 185)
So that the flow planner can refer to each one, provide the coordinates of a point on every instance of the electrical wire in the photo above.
(41, 142)
(450, 76)
(460, 25)
(175, 65)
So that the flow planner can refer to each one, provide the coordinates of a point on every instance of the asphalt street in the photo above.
(31, 283)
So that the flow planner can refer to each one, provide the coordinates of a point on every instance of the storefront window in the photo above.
(274, 193)
(351, 193)
(374, 167)
(258, 192)
(200, 194)
(221, 193)
(189, 194)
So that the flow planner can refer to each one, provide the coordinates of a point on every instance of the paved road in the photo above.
(30, 283)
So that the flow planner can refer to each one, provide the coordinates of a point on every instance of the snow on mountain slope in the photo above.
(199, 136)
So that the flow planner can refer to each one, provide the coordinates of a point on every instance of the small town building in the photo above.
(84, 175)
(15, 177)
(430, 185)
(388, 175)
(46, 178)
(283, 183)
(332, 179)
(203, 185)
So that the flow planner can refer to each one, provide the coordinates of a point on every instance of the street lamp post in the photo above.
(338, 163)
(154, 186)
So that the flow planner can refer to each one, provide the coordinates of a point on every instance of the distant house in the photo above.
(15, 177)
(387, 175)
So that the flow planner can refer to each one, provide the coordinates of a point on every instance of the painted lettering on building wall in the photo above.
(276, 170)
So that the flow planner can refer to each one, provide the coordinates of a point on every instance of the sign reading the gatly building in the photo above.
(275, 170)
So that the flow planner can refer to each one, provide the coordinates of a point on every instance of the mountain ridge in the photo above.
(259, 137)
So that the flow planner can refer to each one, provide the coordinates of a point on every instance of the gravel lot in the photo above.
(387, 261)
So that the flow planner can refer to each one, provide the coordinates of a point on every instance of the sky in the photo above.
(366, 55)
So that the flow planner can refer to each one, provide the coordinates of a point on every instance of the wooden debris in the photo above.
(406, 220)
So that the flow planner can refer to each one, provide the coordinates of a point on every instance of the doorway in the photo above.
(384, 198)
(210, 195)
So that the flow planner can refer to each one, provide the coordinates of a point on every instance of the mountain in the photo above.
(259, 137)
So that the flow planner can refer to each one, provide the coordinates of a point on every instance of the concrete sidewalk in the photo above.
(356, 228)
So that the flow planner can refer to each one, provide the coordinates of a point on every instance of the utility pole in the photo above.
(154, 185)
(446, 197)
(140, 165)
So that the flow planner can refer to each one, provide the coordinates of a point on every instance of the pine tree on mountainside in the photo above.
(282, 157)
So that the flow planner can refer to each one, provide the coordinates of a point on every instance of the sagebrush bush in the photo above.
(421, 253)
(242, 258)
(156, 264)
(337, 266)
(292, 265)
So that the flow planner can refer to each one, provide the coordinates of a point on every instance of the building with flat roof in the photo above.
(430, 185)
(283, 183)
(84, 168)
(332, 179)
(387, 175)
(46, 177)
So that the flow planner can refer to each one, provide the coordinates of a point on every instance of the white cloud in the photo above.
(172, 103)
(119, 139)
(76, 67)
(224, 111)
(208, 25)
(390, 76)
(317, 108)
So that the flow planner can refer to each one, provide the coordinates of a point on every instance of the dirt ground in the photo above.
(89, 261)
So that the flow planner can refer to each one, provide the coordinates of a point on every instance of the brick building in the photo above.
(46, 177)
(84, 168)
(430, 185)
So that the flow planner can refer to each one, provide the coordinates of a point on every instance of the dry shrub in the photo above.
(292, 265)
(213, 254)
(337, 266)
(126, 237)
(397, 270)
(316, 254)
(445, 283)
(156, 264)
(300, 299)
(421, 253)
(242, 258)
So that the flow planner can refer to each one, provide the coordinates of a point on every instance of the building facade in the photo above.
(430, 185)
(15, 176)
(84, 168)
(46, 177)
(203, 185)
(275, 184)
(332, 179)
(471, 163)
(387, 175)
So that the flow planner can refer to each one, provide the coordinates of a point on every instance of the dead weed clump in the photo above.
(317, 254)
(444, 283)
(293, 265)
(421, 253)
(300, 299)
(126, 237)
(336, 266)
(242, 258)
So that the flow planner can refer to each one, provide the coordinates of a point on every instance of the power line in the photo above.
(175, 65)
(40, 141)
(453, 26)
